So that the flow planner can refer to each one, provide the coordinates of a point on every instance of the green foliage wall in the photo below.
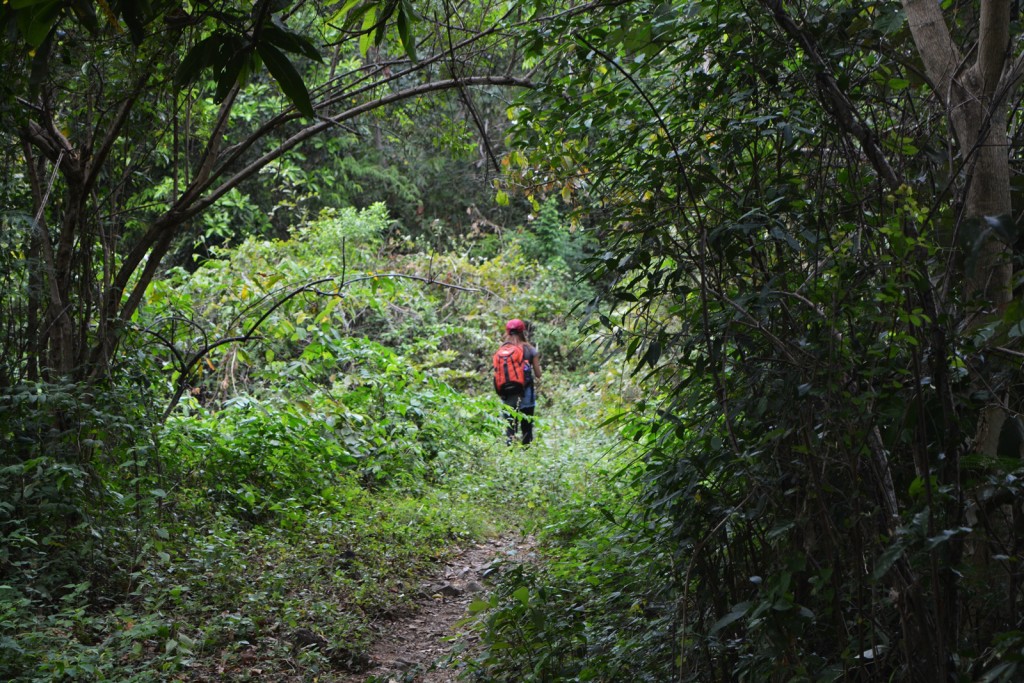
(811, 504)
(441, 312)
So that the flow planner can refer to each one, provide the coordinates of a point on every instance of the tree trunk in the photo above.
(977, 101)
(976, 97)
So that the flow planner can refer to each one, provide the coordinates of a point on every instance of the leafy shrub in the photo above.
(547, 240)
(255, 458)
(59, 440)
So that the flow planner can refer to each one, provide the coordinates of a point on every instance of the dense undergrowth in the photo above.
(246, 510)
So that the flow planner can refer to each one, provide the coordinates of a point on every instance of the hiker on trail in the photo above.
(516, 374)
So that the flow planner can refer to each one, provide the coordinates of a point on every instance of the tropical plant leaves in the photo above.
(404, 30)
(36, 19)
(367, 30)
(231, 58)
(281, 36)
(200, 57)
(283, 71)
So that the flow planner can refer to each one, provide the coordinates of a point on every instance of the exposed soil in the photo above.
(417, 647)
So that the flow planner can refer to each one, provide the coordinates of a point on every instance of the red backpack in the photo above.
(508, 369)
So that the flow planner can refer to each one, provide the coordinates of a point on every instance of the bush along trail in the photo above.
(311, 500)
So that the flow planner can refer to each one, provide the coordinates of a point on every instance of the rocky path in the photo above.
(416, 648)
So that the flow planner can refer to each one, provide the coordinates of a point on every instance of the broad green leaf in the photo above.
(944, 536)
(200, 57)
(891, 20)
(229, 75)
(650, 357)
(134, 13)
(369, 21)
(735, 614)
(341, 14)
(404, 32)
(290, 41)
(41, 63)
(287, 77)
(478, 606)
(917, 487)
(886, 560)
(85, 12)
(36, 19)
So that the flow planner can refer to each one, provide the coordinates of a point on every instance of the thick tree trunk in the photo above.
(976, 96)
(977, 99)
(989, 274)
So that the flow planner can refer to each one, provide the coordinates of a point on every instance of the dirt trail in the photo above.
(414, 648)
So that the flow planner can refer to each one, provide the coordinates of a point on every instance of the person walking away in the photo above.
(529, 402)
(517, 372)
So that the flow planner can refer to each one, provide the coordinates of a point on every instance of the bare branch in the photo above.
(113, 130)
(369, 82)
(46, 246)
(209, 159)
(845, 112)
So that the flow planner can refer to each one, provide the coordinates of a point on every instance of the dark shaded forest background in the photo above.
(255, 256)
